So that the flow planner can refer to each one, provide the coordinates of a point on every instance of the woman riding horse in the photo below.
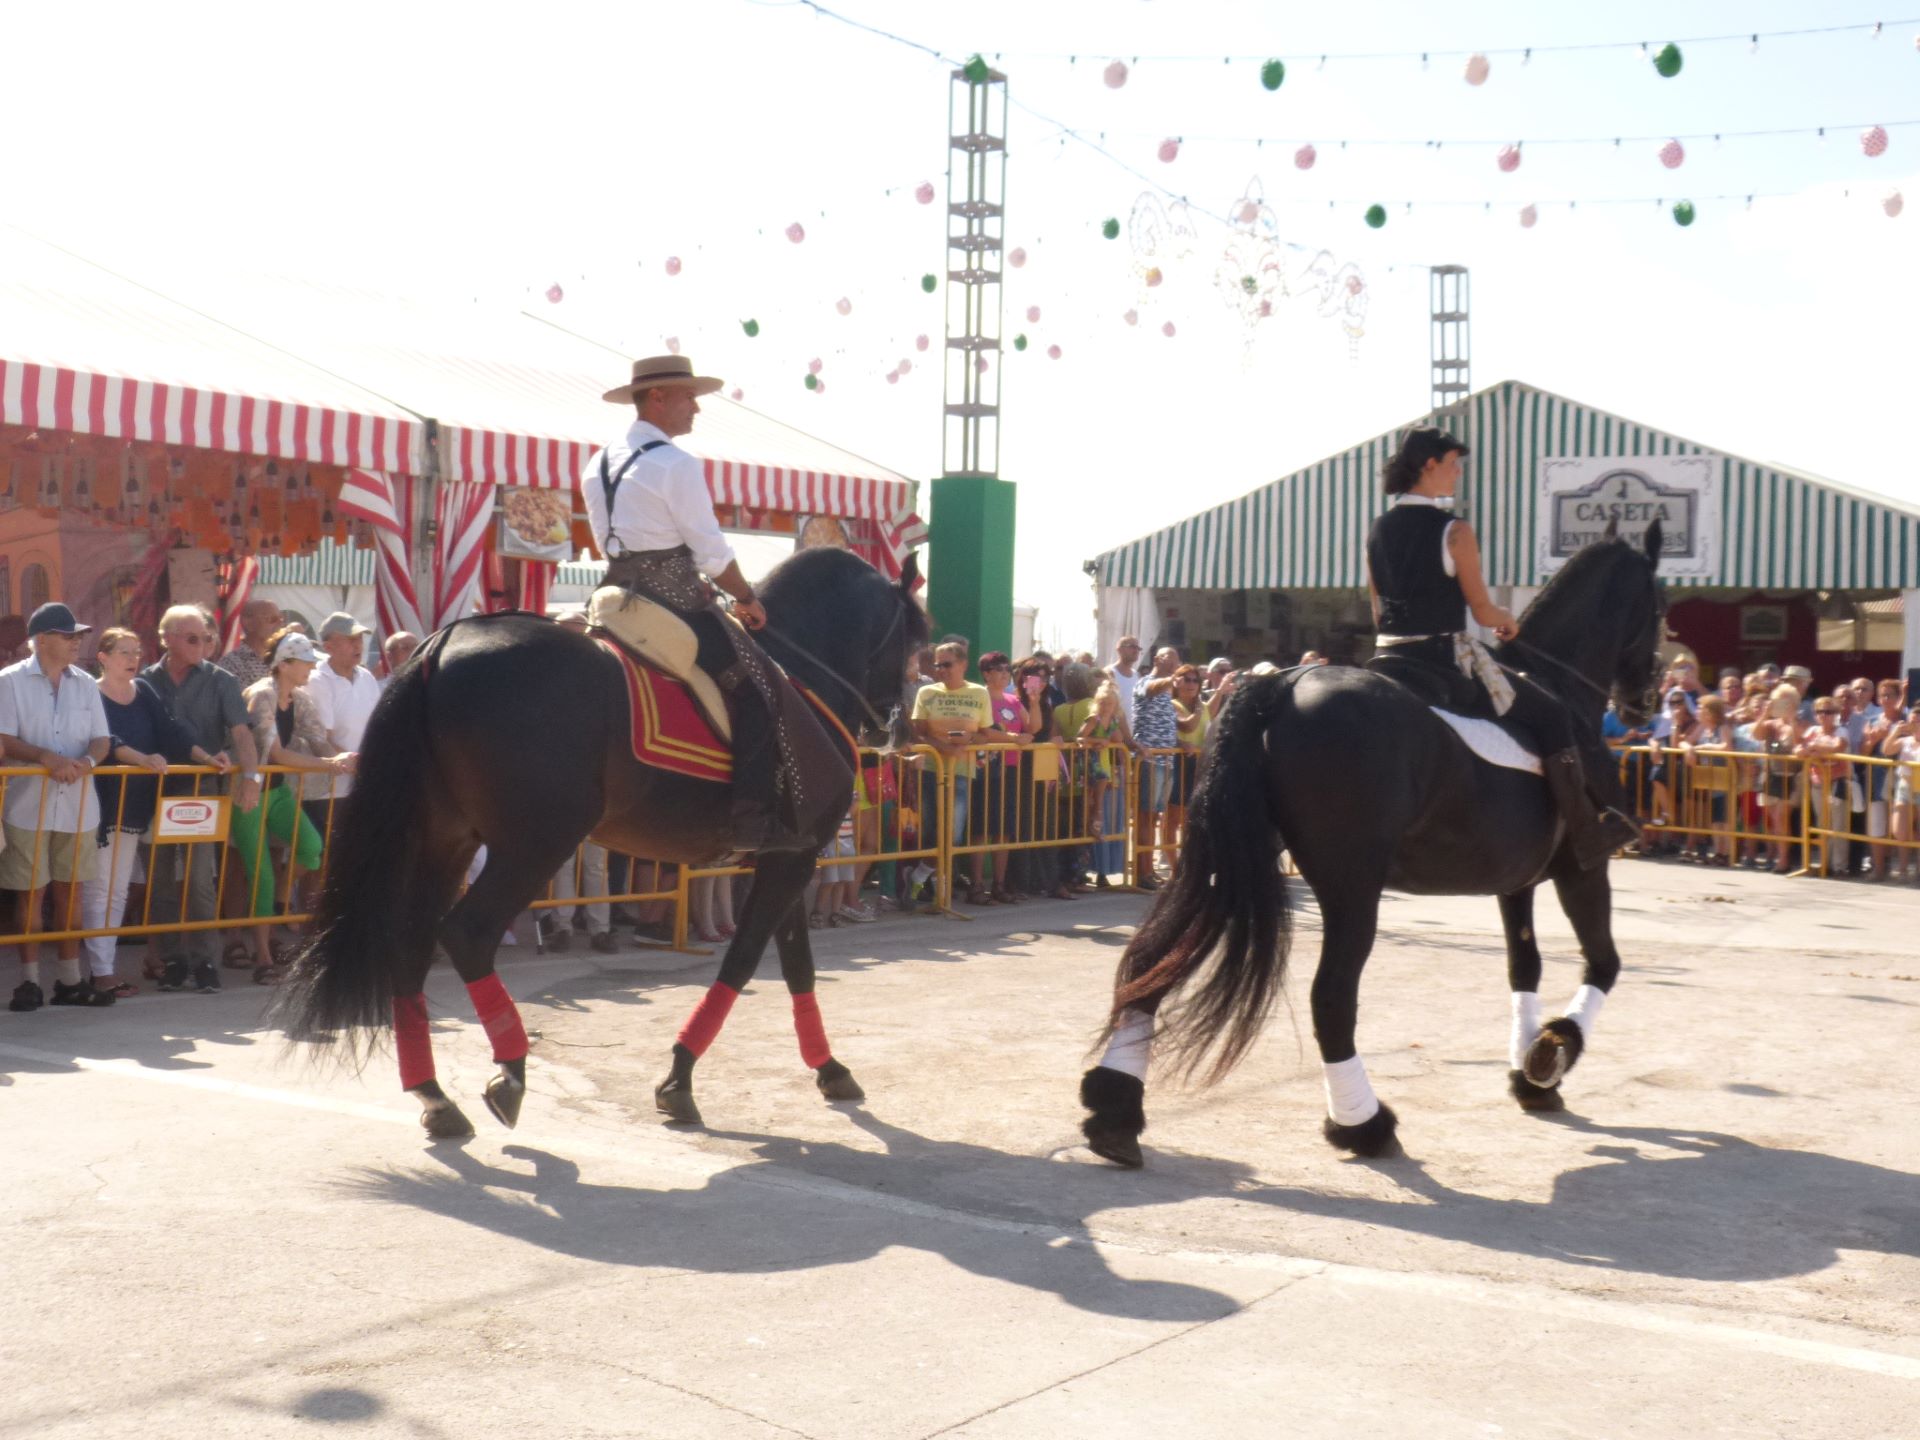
(1423, 572)
(1367, 788)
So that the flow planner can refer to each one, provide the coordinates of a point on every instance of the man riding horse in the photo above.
(652, 517)
(1424, 575)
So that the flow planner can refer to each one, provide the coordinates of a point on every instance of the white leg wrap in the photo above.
(1350, 1097)
(1131, 1045)
(1526, 1025)
(1585, 1010)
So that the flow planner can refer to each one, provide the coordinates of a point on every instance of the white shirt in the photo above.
(662, 502)
(344, 703)
(67, 722)
(1124, 683)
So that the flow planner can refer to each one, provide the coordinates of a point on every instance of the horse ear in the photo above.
(1654, 540)
(1613, 529)
(910, 572)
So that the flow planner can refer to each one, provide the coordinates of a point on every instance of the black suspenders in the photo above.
(610, 487)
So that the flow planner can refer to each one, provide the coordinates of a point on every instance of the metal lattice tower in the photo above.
(976, 216)
(1452, 351)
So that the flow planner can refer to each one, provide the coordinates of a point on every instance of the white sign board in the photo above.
(183, 819)
(1586, 493)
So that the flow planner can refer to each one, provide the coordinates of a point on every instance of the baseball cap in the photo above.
(295, 647)
(53, 618)
(340, 623)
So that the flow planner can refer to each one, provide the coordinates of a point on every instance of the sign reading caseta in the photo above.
(1585, 494)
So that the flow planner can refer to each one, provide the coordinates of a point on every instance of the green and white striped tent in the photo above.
(330, 565)
(1778, 529)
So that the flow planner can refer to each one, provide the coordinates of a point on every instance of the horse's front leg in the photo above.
(1587, 897)
(1523, 980)
(778, 881)
(836, 1082)
(1356, 1118)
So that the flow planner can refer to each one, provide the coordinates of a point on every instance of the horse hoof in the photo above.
(836, 1082)
(1531, 1097)
(1553, 1052)
(1117, 1101)
(675, 1101)
(503, 1096)
(445, 1120)
(1372, 1137)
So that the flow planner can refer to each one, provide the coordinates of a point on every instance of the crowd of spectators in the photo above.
(1728, 776)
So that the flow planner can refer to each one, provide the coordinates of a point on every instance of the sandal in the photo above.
(1003, 896)
(125, 989)
(268, 974)
(237, 956)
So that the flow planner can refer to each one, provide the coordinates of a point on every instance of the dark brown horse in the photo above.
(513, 732)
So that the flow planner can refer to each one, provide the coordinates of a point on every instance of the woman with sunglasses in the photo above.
(1825, 747)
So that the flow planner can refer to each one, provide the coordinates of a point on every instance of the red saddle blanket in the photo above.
(669, 730)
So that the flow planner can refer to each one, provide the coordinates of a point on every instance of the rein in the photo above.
(1554, 660)
(883, 726)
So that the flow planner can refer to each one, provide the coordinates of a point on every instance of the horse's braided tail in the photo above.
(1226, 896)
(375, 914)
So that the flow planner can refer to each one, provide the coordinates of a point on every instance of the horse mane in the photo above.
(1568, 592)
(810, 598)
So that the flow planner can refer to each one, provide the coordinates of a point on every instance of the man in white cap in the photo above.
(344, 693)
(652, 517)
(51, 716)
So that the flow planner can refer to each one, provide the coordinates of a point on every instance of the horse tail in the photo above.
(1226, 894)
(380, 903)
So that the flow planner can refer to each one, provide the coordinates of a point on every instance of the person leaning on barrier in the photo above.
(51, 716)
(146, 737)
(206, 701)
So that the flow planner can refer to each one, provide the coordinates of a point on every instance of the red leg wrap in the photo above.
(707, 1018)
(501, 1017)
(813, 1034)
(411, 1040)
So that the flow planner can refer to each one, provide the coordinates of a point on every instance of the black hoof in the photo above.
(1553, 1052)
(503, 1096)
(836, 1082)
(675, 1101)
(1372, 1137)
(444, 1120)
(1117, 1102)
(1531, 1096)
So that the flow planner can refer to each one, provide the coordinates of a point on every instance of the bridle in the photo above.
(883, 726)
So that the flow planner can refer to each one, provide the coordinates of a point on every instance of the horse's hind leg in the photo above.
(1523, 979)
(836, 1082)
(1356, 1118)
(513, 877)
(1587, 897)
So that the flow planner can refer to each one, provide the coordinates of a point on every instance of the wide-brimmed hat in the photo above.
(663, 370)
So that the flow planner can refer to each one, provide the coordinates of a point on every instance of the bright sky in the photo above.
(477, 155)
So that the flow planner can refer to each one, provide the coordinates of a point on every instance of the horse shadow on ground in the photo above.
(762, 1216)
(1685, 1204)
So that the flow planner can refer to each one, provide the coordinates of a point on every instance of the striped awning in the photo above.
(87, 351)
(327, 564)
(1779, 529)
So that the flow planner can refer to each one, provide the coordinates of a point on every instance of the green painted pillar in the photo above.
(970, 560)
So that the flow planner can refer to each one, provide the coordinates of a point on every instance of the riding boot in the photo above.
(757, 824)
(1566, 783)
(1602, 773)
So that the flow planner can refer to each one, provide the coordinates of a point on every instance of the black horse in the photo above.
(1368, 788)
(513, 732)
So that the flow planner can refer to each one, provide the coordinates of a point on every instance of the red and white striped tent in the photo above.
(301, 371)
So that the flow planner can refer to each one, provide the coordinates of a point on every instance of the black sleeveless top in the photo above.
(1417, 596)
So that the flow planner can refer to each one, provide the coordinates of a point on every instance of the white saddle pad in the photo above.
(1491, 743)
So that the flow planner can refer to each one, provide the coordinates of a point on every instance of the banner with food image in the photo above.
(536, 524)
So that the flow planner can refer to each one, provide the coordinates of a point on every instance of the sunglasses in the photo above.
(945, 664)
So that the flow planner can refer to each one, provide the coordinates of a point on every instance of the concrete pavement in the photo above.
(1721, 1237)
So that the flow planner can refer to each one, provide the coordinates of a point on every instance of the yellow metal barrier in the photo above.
(1728, 800)
(1049, 796)
(1830, 793)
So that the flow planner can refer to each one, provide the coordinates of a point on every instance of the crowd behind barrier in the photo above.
(1046, 783)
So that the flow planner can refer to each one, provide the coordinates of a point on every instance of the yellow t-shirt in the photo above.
(969, 708)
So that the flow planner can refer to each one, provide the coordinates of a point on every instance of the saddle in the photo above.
(664, 642)
(1464, 707)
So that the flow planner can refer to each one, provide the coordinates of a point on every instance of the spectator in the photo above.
(1037, 871)
(1667, 776)
(1122, 671)
(1902, 745)
(1104, 730)
(1312, 658)
(343, 692)
(1218, 669)
(205, 699)
(247, 662)
(146, 736)
(1190, 735)
(1154, 728)
(396, 651)
(1801, 679)
(1824, 749)
(1733, 689)
(995, 811)
(1085, 657)
(947, 715)
(711, 899)
(1686, 674)
(1710, 732)
(1777, 734)
(1769, 678)
(923, 665)
(833, 895)
(51, 716)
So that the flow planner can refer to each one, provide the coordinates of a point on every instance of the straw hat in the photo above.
(663, 370)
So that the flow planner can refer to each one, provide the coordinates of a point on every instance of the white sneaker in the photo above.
(858, 914)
